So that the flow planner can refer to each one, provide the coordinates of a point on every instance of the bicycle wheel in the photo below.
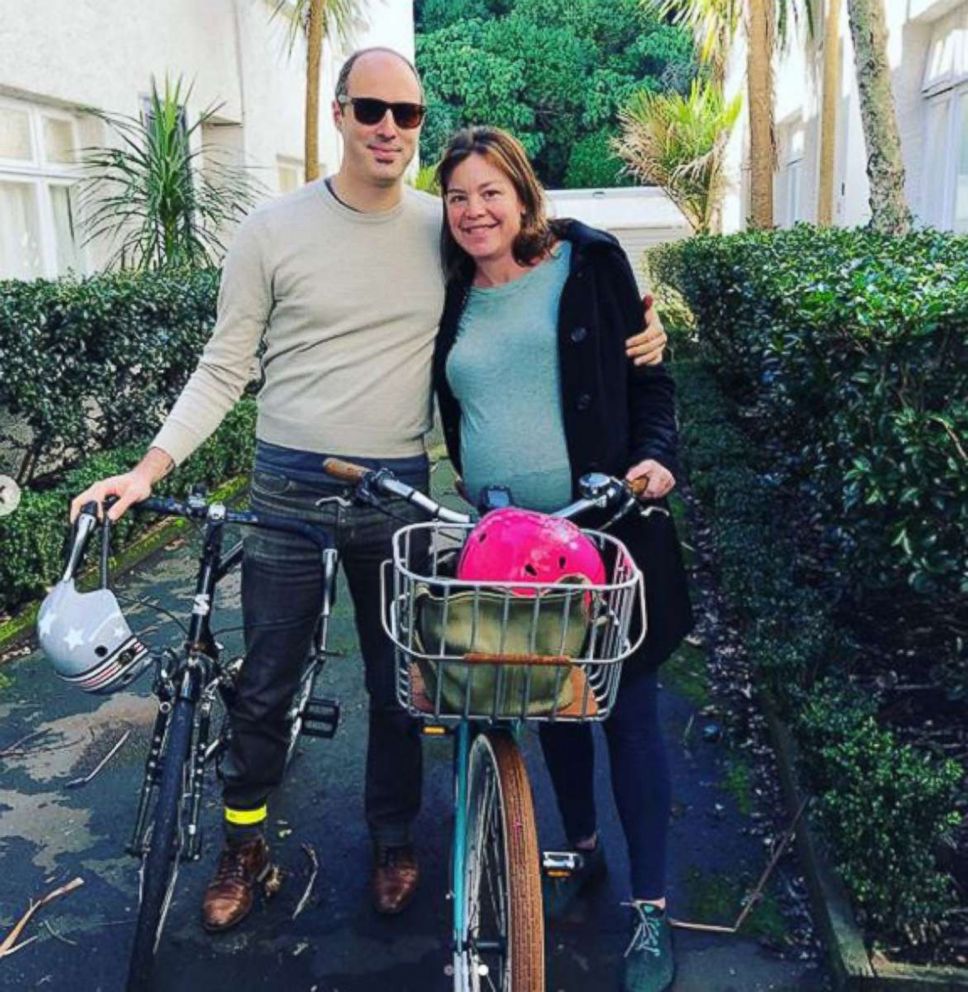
(159, 866)
(503, 941)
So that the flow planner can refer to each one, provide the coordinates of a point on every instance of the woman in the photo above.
(535, 390)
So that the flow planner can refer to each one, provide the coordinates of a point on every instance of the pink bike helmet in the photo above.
(521, 545)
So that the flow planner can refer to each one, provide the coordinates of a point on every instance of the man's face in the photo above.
(378, 153)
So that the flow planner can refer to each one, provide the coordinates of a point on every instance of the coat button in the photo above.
(578, 334)
(583, 402)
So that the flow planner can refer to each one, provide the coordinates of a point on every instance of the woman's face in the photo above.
(484, 210)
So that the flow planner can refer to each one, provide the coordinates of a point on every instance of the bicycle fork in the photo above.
(462, 737)
(194, 766)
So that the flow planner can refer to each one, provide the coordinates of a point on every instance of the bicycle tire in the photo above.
(502, 847)
(160, 863)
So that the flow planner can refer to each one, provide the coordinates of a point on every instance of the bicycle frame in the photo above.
(197, 673)
(598, 659)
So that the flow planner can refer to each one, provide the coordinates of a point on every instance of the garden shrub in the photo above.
(882, 806)
(852, 347)
(67, 346)
(33, 538)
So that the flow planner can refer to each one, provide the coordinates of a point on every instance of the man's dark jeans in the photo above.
(281, 601)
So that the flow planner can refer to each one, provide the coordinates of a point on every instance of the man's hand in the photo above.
(132, 487)
(646, 347)
(660, 480)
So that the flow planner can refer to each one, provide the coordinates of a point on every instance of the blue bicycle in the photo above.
(477, 661)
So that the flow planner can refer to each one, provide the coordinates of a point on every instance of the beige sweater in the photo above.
(348, 304)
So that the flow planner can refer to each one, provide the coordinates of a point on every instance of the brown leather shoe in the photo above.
(231, 893)
(394, 880)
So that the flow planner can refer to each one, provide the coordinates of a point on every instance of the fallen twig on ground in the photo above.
(58, 936)
(41, 749)
(20, 946)
(13, 748)
(768, 870)
(304, 898)
(754, 896)
(10, 945)
(77, 782)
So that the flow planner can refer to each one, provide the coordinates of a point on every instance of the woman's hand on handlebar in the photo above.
(657, 480)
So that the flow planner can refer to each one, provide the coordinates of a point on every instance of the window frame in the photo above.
(954, 132)
(41, 174)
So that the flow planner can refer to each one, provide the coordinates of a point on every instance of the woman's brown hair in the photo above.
(538, 233)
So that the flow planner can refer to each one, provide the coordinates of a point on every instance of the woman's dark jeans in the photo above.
(640, 778)
(281, 601)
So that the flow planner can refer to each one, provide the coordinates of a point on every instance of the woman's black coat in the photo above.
(615, 413)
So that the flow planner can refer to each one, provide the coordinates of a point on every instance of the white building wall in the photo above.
(72, 54)
(639, 216)
(912, 27)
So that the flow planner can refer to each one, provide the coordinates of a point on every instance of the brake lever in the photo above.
(105, 555)
(364, 492)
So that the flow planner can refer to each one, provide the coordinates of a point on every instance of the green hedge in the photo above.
(67, 346)
(883, 806)
(33, 538)
(853, 349)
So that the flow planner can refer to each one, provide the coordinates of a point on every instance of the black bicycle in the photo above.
(194, 685)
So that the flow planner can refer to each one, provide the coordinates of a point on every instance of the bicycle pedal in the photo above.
(435, 730)
(321, 717)
(560, 864)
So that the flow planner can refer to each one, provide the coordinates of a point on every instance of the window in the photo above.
(792, 142)
(944, 200)
(37, 209)
(944, 168)
(291, 174)
(960, 219)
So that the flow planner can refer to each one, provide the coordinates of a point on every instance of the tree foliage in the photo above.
(553, 72)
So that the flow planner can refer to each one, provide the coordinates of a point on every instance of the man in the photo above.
(342, 280)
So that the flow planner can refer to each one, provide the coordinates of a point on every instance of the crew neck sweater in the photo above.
(347, 303)
(504, 372)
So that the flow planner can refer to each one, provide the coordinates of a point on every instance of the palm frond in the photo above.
(339, 23)
(713, 24)
(148, 196)
(678, 142)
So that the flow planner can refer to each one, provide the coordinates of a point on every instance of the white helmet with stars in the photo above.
(85, 635)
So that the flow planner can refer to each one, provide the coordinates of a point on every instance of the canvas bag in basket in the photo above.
(560, 624)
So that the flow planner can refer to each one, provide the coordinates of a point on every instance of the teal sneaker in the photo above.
(559, 893)
(649, 965)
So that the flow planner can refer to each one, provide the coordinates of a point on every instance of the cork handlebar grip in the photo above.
(345, 471)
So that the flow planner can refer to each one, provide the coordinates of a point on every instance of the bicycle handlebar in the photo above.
(599, 491)
(196, 508)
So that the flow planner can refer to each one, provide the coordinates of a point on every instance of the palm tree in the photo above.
(714, 24)
(885, 167)
(678, 142)
(317, 20)
(148, 194)
(828, 113)
(761, 41)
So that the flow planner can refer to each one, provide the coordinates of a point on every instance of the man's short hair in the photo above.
(342, 81)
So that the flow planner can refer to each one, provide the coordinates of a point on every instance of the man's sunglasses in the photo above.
(369, 110)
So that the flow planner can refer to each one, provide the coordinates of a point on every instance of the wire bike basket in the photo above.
(506, 651)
